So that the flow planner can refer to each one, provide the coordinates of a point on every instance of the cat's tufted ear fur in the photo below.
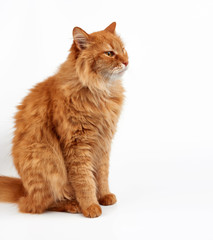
(111, 27)
(81, 38)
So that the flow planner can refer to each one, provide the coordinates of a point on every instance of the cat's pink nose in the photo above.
(126, 63)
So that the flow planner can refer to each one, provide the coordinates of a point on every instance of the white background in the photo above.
(162, 155)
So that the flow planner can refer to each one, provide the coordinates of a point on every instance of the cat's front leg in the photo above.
(82, 178)
(105, 197)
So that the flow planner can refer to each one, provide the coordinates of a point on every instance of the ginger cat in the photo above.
(64, 128)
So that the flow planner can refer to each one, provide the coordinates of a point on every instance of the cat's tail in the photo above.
(11, 189)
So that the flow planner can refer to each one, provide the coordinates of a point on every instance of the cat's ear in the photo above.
(81, 38)
(111, 27)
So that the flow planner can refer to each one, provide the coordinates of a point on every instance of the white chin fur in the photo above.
(115, 76)
(118, 72)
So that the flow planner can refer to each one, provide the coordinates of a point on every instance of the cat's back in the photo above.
(37, 100)
(34, 111)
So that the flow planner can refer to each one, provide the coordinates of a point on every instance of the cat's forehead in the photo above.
(107, 41)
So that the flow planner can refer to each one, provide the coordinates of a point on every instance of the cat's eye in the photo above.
(110, 53)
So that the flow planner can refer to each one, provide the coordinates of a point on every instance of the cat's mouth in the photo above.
(114, 74)
(119, 72)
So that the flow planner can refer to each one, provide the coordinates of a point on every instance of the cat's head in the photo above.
(100, 57)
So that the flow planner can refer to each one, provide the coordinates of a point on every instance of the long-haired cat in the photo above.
(64, 128)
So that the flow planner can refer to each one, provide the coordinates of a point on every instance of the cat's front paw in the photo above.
(108, 199)
(92, 211)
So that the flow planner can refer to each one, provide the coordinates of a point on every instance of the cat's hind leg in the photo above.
(44, 177)
(36, 201)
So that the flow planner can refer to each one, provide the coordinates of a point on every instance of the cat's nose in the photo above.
(126, 63)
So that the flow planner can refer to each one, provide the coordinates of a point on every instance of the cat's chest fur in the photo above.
(84, 116)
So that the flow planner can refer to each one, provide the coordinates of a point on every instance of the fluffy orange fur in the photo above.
(64, 128)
